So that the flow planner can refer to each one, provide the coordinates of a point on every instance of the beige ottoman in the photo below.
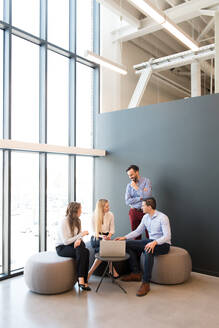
(172, 268)
(48, 273)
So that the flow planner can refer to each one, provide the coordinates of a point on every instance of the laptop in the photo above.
(112, 248)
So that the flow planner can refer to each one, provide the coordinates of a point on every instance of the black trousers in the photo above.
(80, 254)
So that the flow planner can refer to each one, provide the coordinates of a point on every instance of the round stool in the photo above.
(48, 273)
(172, 268)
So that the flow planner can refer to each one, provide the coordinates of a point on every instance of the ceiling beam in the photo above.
(178, 14)
(207, 12)
(206, 29)
(174, 3)
(177, 60)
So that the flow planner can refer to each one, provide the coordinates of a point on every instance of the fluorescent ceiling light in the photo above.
(148, 9)
(180, 35)
(105, 62)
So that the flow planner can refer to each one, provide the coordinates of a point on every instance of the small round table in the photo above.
(110, 261)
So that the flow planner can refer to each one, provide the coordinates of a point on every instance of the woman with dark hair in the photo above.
(103, 227)
(70, 244)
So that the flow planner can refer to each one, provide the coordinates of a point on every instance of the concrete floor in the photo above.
(192, 304)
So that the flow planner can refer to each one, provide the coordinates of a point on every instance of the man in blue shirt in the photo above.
(159, 241)
(136, 190)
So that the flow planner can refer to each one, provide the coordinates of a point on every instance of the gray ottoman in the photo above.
(48, 273)
(172, 268)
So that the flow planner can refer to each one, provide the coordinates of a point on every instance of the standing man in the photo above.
(158, 243)
(136, 190)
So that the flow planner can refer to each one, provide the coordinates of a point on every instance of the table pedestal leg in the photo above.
(116, 282)
(102, 277)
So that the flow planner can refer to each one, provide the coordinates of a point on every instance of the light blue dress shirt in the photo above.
(132, 196)
(158, 227)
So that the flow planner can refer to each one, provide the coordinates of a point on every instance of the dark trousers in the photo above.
(80, 254)
(135, 248)
(95, 243)
(135, 217)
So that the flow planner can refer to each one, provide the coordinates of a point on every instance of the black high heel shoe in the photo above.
(117, 277)
(83, 287)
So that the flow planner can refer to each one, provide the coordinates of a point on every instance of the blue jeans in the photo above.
(135, 247)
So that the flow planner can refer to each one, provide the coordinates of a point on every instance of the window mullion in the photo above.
(7, 135)
(72, 100)
(43, 126)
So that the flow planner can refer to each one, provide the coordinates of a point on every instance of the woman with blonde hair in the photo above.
(70, 242)
(103, 227)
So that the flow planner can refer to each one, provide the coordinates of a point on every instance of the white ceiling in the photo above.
(195, 17)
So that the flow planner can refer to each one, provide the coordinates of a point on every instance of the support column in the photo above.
(140, 87)
(216, 51)
(195, 79)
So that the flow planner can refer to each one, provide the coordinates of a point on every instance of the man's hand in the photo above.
(84, 233)
(120, 238)
(77, 243)
(134, 185)
(108, 237)
(150, 247)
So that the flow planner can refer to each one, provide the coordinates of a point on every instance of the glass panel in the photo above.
(24, 207)
(1, 9)
(26, 15)
(84, 31)
(57, 195)
(1, 82)
(84, 190)
(25, 90)
(84, 111)
(1, 240)
(58, 22)
(57, 99)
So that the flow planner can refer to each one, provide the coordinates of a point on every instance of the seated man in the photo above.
(158, 243)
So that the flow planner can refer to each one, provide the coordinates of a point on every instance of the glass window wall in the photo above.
(38, 104)
(1, 9)
(84, 111)
(84, 190)
(1, 222)
(57, 116)
(57, 195)
(26, 15)
(1, 82)
(84, 31)
(24, 207)
(25, 90)
(58, 22)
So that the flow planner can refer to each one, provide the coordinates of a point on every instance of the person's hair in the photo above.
(72, 216)
(134, 167)
(98, 215)
(150, 201)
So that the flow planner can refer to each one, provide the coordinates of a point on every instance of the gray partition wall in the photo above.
(176, 145)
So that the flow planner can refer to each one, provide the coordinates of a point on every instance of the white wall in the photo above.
(116, 90)
(109, 80)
